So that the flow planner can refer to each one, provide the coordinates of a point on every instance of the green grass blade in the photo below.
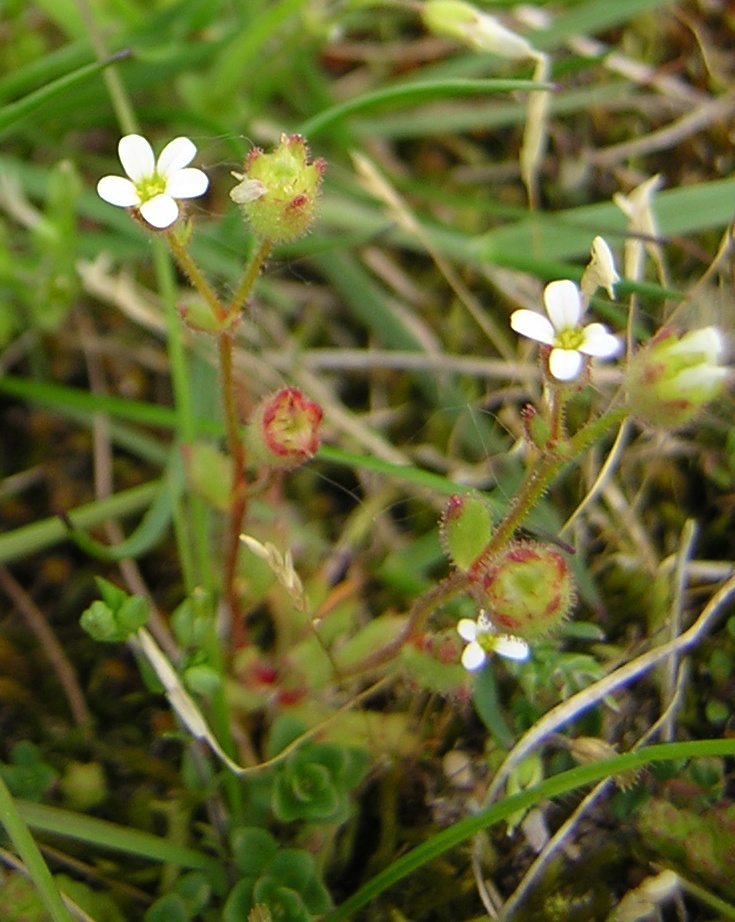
(108, 835)
(12, 819)
(568, 234)
(408, 94)
(40, 535)
(152, 526)
(16, 111)
(590, 17)
(558, 784)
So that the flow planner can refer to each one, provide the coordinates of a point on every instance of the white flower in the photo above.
(562, 330)
(153, 185)
(482, 638)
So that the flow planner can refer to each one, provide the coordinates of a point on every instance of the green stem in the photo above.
(454, 584)
(541, 477)
(556, 417)
(248, 279)
(31, 856)
(238, 490)
(190, 268)
(192, 541)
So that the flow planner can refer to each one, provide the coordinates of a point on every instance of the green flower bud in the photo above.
(277, 192)
(114, 618)
(527, 589)
(284, 429)
(477, 30)
(671, 378)
(99, 622)
(465, 527)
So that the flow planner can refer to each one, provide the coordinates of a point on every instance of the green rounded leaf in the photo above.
(466, 527)
(286, 905)
(253, 850)
(169, 908)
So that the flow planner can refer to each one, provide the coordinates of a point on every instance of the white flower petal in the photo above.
(136, 156)
(563, 304)
(700, 377)
(118, 191)
(160, 211)
(707, 342)
(534, 326)
(473, 657)
(512, 647)
(565, 364)
(187, 183)
(599, 342)
(467, 629)
(247, 190)
(175, 156)
(487, 34)
(600, 271)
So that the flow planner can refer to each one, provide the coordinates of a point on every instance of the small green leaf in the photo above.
(466, 527)
(287, 905)
(240, 901)
(133, 614)
(169, 908)
(202, 679)
(253, 850)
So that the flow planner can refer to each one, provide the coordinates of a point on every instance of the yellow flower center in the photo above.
(569, 339)
(150, 186)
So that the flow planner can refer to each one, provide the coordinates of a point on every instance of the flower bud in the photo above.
(527, 588)
(284, 429)
(277, 192)
(600, 271)
(672, 377)
(465, 528)
(462, 21)
(115, 623)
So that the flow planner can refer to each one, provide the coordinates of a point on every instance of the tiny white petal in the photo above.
(118, 191)
(490, 35)
(136, 156)
(563, 304)
(698, 377)
(473, 656)
(160, 211)
(175, 156)
(533, 325)
(467, 629)
(707, 342)
(188, 183)
(565, 364)
(599, 342)
(247, 190)
(512, 647)
(600, 271)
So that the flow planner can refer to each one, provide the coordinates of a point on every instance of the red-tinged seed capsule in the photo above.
(527, 588)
